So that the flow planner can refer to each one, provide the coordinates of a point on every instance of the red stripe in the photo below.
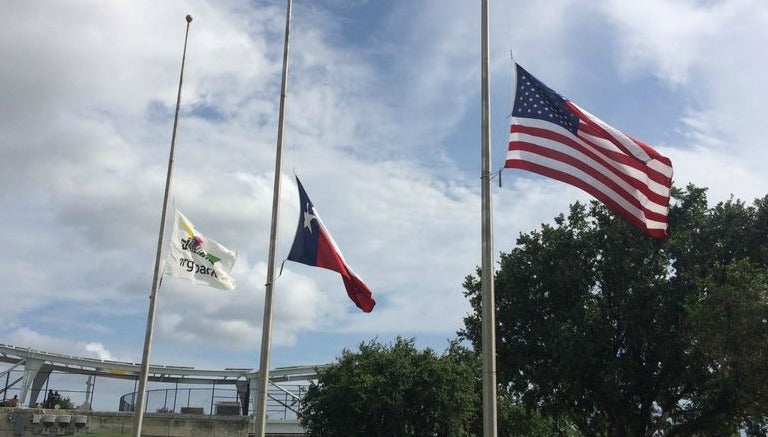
(652, 152)
(595, 173)
(328, 257)
(599, 131)
(628, 159)
(569, 179)
(603, 156)
(610, 185)
(359, 293)
(590, 127)
(566, 141)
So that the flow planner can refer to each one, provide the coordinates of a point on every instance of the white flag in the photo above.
(198, 258)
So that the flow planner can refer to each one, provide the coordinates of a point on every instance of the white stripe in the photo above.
(335, 246)
(589, 180)
(651, 163)
(636, 151)
(660, 167)
(656, 187)
(603, 143)
(328, 235)
(597, 166)
(639, 175)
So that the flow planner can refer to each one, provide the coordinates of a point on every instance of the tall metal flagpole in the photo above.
(266, 330)
(488, 300)
(139, 406)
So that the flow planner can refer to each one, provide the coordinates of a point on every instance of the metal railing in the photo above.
(282, 401)
(10, 386)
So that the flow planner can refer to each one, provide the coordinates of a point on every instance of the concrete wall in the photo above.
(155, 424)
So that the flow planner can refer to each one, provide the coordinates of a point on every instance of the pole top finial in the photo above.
(189, 18)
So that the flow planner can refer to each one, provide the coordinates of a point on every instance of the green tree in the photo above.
(622, 334)
(66, 404)
(393, 390)
(513, 419)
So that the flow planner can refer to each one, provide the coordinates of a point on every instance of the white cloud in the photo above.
(382, 128)
(670, 35)
(720, 174)
(99, 350)
(29, 338)
(708, 48)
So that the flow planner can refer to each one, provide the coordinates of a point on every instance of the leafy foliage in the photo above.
(392, 390)
(66, 404)
(622, 334)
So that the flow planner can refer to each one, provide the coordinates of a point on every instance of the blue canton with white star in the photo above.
(304, 249)
(536, 100)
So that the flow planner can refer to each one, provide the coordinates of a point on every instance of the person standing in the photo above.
(48, 400)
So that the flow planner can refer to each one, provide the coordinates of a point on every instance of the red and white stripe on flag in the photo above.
(567, 143)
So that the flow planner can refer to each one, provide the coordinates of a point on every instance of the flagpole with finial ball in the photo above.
(143, 376)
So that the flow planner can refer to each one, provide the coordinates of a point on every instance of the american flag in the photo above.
(552, 136)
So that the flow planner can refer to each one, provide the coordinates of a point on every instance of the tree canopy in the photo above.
(397, 390)
(393, 390)
(622, 334)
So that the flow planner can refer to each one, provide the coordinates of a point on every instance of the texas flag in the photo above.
(314, 246)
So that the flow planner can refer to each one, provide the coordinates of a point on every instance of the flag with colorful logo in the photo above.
(314, 246)
(198, 258)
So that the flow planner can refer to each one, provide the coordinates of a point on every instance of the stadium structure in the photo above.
(191, 398)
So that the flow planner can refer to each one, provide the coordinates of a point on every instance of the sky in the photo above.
(382, 126)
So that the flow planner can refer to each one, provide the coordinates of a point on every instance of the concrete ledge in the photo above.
(155, 424)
